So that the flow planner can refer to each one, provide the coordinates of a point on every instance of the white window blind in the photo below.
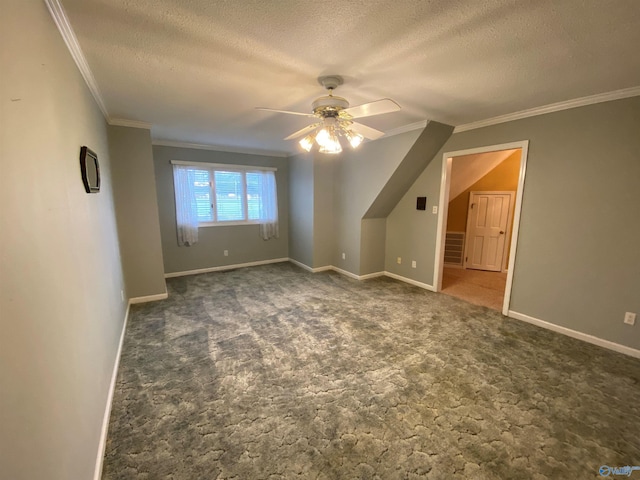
(234, 195)
(202, 189)
(254, 195)
(229, 188)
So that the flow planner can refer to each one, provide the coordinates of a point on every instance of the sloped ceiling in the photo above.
(468, 169)
(431, 139)
(196, 69)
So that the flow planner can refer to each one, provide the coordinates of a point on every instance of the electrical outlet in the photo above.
(344, 256)
(434, 210)
(413, 264)
(630, 318)
(399, 260)
(226, 253)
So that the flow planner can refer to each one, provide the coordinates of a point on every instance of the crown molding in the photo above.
(554, 107)
(406, 128)
(124, 122)
(64, 26)
(219, 148)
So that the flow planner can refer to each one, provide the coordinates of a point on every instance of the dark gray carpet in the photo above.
(275, 373)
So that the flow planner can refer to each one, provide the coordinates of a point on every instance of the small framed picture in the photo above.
(421, 204)
(90, 169)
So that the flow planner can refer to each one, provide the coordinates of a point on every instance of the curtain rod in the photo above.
(228, 166)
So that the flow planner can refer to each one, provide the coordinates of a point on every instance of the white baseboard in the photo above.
(148, 298)
(301, 265)
(226, 267)
(295, 262)
(337, 270)
(354, 276)
(357, 277)
(349, 274)
(326, 268)
(102, 445)
(367, 276)
(616, 347)
(426, 286)
(345, 273)
(308, 268)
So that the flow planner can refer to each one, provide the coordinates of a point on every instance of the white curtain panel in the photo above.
(269, 207)
(186, 208)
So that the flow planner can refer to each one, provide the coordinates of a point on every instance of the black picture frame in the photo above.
(90, 169)
(421, 203)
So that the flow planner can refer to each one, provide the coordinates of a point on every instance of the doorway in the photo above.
(477, 233)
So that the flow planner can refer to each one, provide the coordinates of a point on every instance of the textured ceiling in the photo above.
(195, 69)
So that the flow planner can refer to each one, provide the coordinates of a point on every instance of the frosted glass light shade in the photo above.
(355, 139)
(307, 143)
(322, 137)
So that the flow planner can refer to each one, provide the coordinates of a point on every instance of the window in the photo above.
(230, 202)
(228, 196)
(210, 195)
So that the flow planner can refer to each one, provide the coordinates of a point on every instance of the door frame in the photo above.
(511, 193)
(445, 184)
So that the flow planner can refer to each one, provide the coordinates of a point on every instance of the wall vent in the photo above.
(454, 248)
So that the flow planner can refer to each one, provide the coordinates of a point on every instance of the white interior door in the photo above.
(487, 229)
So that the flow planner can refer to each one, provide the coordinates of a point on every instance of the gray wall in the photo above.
(323, 232)
(311, 236)
(61, 313)
(359, 177)
(134, 190)
(242, 241)
(578, 259)
(372, 245)
(330, 195)
(411, 233)
(301, 208)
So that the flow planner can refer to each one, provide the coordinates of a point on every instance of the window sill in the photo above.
(228, 224)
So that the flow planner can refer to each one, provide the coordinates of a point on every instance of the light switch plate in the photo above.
(434, 209)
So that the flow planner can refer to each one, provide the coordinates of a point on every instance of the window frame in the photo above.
(223, 167)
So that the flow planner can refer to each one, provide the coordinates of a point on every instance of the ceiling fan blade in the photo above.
(386, 105)
(302, 131)
(285, 111)
(367, 132)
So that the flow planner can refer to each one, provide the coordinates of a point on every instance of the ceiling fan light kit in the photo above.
(327, 136)
(336, 120)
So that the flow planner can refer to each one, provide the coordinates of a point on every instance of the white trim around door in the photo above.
(445, 182)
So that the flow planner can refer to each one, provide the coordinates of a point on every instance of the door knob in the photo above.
(501, 232)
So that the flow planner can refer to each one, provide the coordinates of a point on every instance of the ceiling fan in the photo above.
(335, 119)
